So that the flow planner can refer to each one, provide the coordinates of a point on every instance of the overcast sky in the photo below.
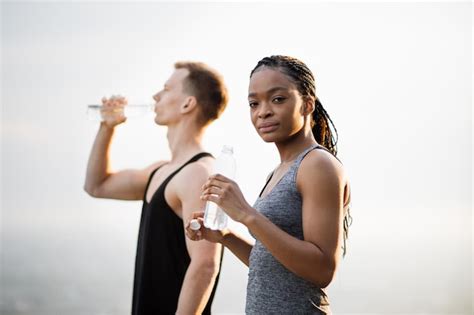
(396, 78)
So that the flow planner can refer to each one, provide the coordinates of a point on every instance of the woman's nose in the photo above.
(265, 111)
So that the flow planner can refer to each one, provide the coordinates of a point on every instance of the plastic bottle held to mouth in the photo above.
(214, 217)
(130, 111)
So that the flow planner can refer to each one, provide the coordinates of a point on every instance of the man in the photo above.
(172, 274)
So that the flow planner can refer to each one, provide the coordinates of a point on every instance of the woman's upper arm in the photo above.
(321, 182)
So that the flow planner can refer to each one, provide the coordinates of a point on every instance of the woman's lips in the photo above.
(267, 127)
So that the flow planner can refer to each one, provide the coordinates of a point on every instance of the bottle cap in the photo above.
(194, 225)
(227, 149)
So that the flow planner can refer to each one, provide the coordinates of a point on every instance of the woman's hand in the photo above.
(228, 196)
(112, 110)
(203, 233)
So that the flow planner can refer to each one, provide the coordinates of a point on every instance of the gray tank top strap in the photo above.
(305, 152)
(296, 164)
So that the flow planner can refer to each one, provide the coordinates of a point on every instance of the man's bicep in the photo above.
(127, 184)
(189, 189)
(202, 250)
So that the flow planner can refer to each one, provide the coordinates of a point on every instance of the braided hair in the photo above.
(323, 128)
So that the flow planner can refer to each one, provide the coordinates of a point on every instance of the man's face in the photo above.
(171, 98)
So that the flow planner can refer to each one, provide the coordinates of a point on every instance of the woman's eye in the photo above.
(253, 104)
(278, 99)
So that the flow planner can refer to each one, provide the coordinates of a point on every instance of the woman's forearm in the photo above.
(301, 257)
(238, 245)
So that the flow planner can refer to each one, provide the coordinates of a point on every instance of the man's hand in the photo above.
(112, 110)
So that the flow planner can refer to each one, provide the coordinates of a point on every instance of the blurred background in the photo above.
(396, 78)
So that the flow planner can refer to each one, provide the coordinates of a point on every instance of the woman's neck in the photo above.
(293, 146)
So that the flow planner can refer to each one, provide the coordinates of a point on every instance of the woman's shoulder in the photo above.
(319, 164)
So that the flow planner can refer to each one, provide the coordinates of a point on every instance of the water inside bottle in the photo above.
(130, 111)
(214, 217)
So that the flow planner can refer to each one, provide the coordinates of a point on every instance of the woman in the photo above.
(300, 218)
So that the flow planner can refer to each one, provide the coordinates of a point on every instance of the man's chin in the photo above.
(159, 122)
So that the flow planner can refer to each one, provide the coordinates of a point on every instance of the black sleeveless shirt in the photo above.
(162, 258)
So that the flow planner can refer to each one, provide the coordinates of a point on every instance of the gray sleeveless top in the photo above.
(273, 289)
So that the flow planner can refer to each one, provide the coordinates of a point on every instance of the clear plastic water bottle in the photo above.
(130, 111)
(214, 217)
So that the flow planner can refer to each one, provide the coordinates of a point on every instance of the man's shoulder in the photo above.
(202, 167)
(196, 172)
(191, 178)
(155, 165)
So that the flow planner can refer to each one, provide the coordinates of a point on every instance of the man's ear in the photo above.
(189, 104)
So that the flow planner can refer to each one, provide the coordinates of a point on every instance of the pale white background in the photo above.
(395, 77)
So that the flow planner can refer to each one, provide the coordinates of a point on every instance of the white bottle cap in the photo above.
(227, 149)
(194, 224)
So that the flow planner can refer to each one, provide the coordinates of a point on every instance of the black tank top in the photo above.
(162, 258)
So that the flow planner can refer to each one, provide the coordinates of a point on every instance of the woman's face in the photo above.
(276, 106)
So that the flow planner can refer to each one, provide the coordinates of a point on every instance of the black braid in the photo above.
(324, 130)
(324, 133)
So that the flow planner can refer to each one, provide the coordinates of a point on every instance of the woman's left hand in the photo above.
(228, 196)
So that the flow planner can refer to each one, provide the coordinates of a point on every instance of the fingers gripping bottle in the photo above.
(214, 217)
